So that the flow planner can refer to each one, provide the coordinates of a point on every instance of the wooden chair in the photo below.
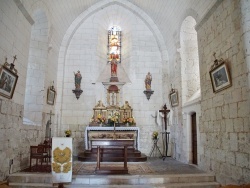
(38, 153)
(47, 149)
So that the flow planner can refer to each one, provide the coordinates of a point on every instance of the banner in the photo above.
(62, 160)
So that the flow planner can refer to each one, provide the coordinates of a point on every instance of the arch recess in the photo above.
(36, 70)
(92, 10)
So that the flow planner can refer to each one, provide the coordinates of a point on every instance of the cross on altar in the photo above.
(165, 112)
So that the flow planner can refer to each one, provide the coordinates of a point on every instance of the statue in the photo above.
(113, 68)
(78, 78)
(126, 105)
(148, 81)
(100, 104)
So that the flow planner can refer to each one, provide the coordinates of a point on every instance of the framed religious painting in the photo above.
(8, 81)
(173, 96)
(220, 77)
(51, 94)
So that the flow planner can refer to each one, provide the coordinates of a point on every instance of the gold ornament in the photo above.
(67, 167)
(56, 167)
(62, 156)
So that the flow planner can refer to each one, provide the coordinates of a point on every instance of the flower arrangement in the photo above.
(100, 118)
(114, 118)
(155, 135)
(67, 132)
(130, 120)
(92, 119)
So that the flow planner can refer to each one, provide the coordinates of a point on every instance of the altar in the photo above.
(106, 133)
(112, 124)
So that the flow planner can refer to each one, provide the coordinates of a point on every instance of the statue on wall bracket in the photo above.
(77, 91)
(148, 80)
(114, 77)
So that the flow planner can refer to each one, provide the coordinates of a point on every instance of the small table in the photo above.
(155, 147)
(112, 144)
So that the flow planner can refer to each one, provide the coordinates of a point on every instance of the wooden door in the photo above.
(194, 138)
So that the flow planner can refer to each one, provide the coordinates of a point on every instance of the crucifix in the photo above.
(165, 112)
(48, 127)
(12, 65)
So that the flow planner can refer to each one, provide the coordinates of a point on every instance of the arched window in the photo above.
(189, 60)
(35, 91)
(114, 44)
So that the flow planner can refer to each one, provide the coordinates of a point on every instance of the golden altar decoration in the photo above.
(101, 113)
(111, 129)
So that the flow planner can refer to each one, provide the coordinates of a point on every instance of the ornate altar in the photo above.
(106, 133)
(102, 114)
(104, 126)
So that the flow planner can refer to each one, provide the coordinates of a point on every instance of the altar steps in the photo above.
(110, 152)
(112, 155)
(28, 180)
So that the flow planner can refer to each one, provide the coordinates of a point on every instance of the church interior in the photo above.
(174, 73)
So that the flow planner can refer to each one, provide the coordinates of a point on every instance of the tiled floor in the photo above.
(152, 166)
(171, 166)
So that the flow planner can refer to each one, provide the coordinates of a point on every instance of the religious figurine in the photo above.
(148, 81)
(100, 104)
(113, 68)
(78, 78)
(126, 105)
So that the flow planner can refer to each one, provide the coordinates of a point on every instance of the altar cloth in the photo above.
(110, 130)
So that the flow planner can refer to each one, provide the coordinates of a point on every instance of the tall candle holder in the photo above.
(114, 135)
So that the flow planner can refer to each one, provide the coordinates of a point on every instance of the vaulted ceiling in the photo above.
(166, 14)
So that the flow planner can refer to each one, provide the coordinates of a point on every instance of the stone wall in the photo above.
(224, 124)
(16, 138)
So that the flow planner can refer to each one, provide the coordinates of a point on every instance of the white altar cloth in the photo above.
(136, 129)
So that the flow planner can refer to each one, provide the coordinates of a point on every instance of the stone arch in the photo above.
(189, 12)
(190, 74)
(34, 91)
(92, 10)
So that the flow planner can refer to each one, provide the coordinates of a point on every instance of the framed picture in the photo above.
(51, 96)
(220, 77)
(174, 98)
(8, 81)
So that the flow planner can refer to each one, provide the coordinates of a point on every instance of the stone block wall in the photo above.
(16, 138)
(224, 127)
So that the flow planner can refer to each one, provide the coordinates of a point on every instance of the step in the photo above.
(111, 155)
(113, 159)
(111, 151)
(170, 185)
(31, 180)
(135, 154)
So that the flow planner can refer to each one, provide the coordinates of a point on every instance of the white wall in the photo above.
(87, 52)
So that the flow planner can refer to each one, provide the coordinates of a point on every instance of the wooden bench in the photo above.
(100, 143)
